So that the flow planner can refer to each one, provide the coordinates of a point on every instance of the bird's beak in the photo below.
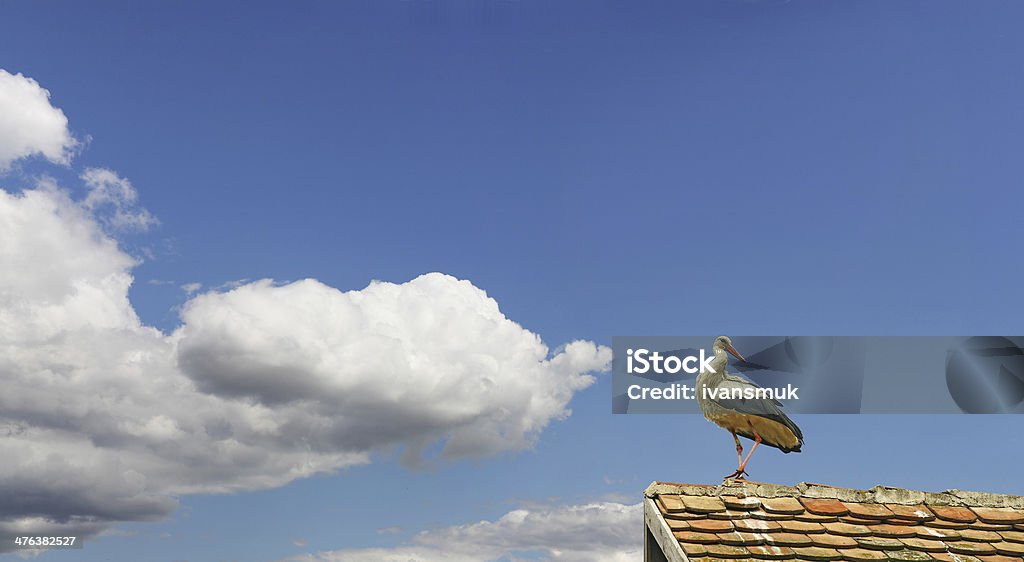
(735, 353)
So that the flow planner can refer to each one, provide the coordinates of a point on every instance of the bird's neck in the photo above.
(719, 364)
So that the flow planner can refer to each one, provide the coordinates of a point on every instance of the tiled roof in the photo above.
(750, 520)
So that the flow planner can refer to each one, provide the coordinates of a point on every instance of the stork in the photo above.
(759, 419)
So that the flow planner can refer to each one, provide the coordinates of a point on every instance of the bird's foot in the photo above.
(740, 474)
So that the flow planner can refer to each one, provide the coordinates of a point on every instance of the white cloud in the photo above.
(105, 419)
(392, 363)
(191, 288)
(114, 200)
(29, 124)
(596, 532)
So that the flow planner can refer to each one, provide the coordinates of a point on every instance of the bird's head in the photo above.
(723, 343)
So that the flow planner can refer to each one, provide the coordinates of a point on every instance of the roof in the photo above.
(758, 521)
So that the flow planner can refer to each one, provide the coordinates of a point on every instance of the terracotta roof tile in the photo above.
(795, 526)
(757, 525)
(726, 551)
(772, 552)
(694, 549)
(924, 545)
(975, 535)
(861, 555)
(955, 514)
(754, 522)
(909, 556)
(846, 529)
(950, 557)
(787, 539)
(699, 538)
(869, 510)
(737, 538)
(926, 532)
(879, 543)
(972, 548)
(827, 540)
(824, 507)
(702, 504)
(998, 516)
(1009, 548)
(1013, 536)
(711, 525)
(917, 512)
(733, 502)
(783, 506)
(817, 553)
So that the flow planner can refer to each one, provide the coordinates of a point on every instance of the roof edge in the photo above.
(878, 494)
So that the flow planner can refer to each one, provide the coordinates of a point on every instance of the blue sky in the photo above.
(598, 169)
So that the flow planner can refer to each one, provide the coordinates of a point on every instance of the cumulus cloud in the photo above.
(29, 124)
(105, 419)
(596, 532)
(114, 200)
(390, 363)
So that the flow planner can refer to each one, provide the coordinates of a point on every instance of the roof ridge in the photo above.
(878, 494)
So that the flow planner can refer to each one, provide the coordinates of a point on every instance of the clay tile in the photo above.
(694, 549)
(699, 538)
(805, 516)
(817, 553)
(1012, 536)
(757, 525)
(703, 504)
(862, 555)
(869, 510)
(972, 548)
(772, 552)
(824, 507)
(729, 514)
(975, 535)
(671, 504)
(847, 529)
(879, 543)
(992, 526)
(737, 538)
(677, 524)
(893, 531)
(955, 514)
(787, 539)
(711, 525)
(726, 551)
(911, 512)
(794, 526)
(761, 514)
(908, 556)
(787, 506)
(949, 557)
(736, 502)
(998, 558)
(924, 544)
(937, 534)
(1009, 548)
(942, 524)
(826, 540)
(998, 516)
(685, 515)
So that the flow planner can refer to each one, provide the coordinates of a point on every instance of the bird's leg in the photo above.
(757, 441)
(739, 459)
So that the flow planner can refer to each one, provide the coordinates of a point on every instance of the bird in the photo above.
(759, 419)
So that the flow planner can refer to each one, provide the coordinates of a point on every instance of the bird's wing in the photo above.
(764, 407)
